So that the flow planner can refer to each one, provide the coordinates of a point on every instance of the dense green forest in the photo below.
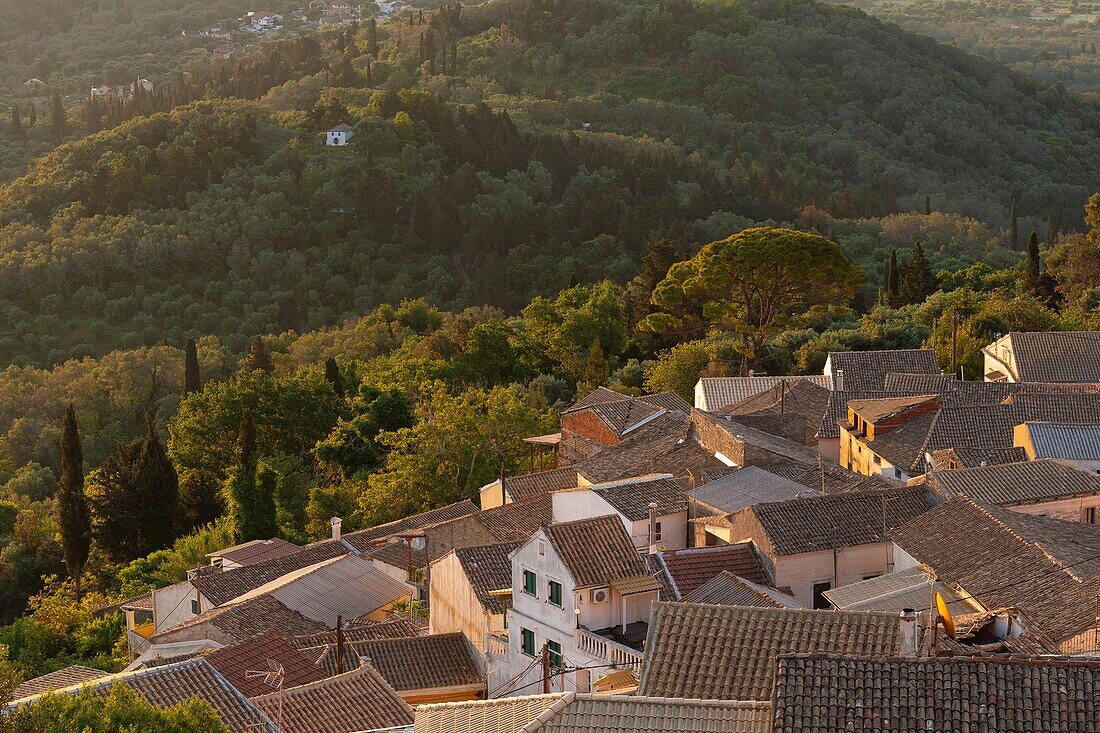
(512, 148)
(1053, 41)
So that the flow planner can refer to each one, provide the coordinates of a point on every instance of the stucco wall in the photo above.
(1068, 509)
(454, 605)
(800, 572)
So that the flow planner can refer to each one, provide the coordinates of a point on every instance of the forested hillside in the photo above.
(504, 150)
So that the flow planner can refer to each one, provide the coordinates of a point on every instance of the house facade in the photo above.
(580, 594)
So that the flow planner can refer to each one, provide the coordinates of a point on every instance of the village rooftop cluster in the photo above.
(881, 547)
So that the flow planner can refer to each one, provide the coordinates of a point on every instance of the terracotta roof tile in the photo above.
(722, 392)
(488, 568)
(506, 715)
(926, 383)
(726, 589)
(395, 627)
(249, 553)
(664, 445)
(1045, 567)
(1056, 356)
(541, 482)
(728, 652)
(596, 551)
(692, 567)
(355, 701)
(845, 520)
(241, 621)
(796, 396)
(631, 497)
(236, 661)
(366, 539)
(518, 520)
(1010, 484)
(824, 694)
(65, 677)
(423, 662)
(867, 370)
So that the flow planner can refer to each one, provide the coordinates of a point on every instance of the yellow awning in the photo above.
(635, 584)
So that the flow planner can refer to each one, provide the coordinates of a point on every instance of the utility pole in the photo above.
(546, 668)
(836, 577)
(339, 645)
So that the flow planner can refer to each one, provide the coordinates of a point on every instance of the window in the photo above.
(657, 536)
(555, 593)
(878, 460)
(542, 547)
(820, 601)
(868, 576)
(527, 642)
(554, 649)
(530, 583)
(1088, 515)
(194, 606)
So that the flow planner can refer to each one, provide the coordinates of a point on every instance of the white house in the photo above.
(581, 595)
(630, 500)
(339, 135)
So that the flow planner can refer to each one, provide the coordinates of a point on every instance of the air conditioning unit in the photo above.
(599, 596)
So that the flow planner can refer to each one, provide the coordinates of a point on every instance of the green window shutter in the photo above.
(554, 648)
(530, 583)
(555, 593)
(528, 640)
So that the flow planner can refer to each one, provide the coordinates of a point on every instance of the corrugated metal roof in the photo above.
(893, 592)
(349, 586)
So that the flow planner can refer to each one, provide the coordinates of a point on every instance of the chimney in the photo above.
(652, 528)
(838, 380)
(335, 523)
(908, 633)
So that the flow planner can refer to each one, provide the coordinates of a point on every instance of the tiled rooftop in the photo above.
(365, 539)
(828, 694)
(239, 662)
(692, 567)
(848, 519)
(65, 677)
(423, 662)
(1056, 356)
(240, 621)
(745, 487)
(220, 588)
(722, 392)
(1071, 441)
(1011, 484)
(726, 589)
(631, 497)
(488, 568)
(359, 700)
(867, 370)
(728, 652)
(596, 551)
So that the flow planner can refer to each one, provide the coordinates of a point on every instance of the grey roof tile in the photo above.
(728, 652)
(826, 693)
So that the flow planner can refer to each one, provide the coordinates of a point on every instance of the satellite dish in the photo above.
(945, 616)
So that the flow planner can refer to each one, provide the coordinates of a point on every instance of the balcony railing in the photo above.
(498, 646)
(610, 651)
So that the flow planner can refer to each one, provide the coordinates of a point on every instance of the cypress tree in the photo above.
(32, 116)
(158, 490)
(892, 281)
(927, 204)
(259, 357)
(916, 285)
(251, 489)
(332, 374)
(57, 119)
(1033, 263)
(136, 505)
(1052, 230)
(73, 518)
(1013, 227)
(191, 380)
(372, 38)
(16, 121)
